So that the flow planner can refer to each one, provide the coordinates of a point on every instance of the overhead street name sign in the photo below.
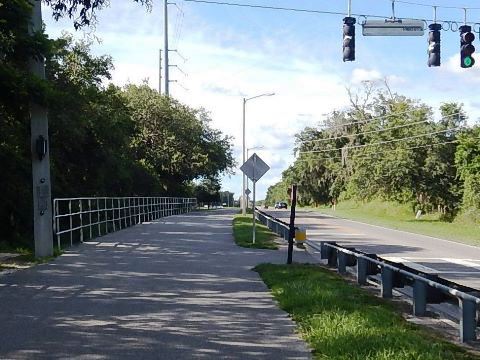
(393, 28)
(254, 168)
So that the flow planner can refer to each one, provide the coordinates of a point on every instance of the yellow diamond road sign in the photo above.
(254, 168)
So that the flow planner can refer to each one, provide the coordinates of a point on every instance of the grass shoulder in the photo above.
(400, 217)
(18, 258)
(342, 321)
(242, 232)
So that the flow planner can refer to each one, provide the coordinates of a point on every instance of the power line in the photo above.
(382, 152)
(300, 10)
(381, 142)
(435, 6)
(372, 119)
(375, 131)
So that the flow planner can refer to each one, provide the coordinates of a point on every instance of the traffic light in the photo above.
(434, 45)
(349, 39)
(466, 46)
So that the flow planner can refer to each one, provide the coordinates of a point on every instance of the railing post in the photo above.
(57, 222)
(90, 217)
(387, 282)
(419, 298)
(362, 265)
(106, 214)
(468, 323)
(138, 210)
(125, 211)
(98, 218)
(71, 222)
(113, 215)
(80, 207)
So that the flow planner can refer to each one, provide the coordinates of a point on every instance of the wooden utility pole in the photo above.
(42, 201)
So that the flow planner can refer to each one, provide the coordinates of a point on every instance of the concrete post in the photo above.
(419, 298)
(362, 271)
(387, 282)
(468, 323)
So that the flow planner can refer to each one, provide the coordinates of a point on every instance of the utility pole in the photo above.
(42, 201)
(160, 71)
(165, 34)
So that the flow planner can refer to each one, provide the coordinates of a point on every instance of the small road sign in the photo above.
(254, 168)
(400, 27)
(247, 192)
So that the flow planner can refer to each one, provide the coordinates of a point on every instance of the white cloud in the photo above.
(361, 75)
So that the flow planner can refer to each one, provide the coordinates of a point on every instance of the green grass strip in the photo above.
(242, 232)
(342, 321)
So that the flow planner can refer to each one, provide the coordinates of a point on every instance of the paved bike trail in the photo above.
(178, 288)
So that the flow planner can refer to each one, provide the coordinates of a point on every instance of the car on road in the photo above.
(281, 205)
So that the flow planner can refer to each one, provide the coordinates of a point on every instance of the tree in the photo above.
(207, 191)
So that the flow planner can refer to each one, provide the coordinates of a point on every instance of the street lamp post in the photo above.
(244, 203)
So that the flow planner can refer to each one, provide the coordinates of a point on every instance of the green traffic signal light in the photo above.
(468, 61)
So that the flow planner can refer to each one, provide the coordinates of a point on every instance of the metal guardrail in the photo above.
(394, 276)
(78, 219)
(279, 227)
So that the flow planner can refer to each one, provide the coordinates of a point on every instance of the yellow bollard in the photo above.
(300, 235)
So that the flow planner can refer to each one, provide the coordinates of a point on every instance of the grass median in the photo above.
(342, 321)
(242, 232)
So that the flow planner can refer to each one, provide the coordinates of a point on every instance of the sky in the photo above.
(234, 52)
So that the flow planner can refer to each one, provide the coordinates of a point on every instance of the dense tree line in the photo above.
(389, 147)
(104, 140)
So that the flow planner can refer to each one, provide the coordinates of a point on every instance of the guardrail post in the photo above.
(341, 262)
(332, 257)
(387, 282)
(362, 265)
(324, 250)
(419, 298)
(468, 323)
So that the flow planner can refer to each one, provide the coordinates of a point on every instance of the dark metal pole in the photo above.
(291, 234)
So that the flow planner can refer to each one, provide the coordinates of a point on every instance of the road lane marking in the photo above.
(463, 262)
(411, 264)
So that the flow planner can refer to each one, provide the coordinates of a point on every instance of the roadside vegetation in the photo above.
(386, 147)
(400, 217)
(342, 321)
(104, 140)
(242, 232)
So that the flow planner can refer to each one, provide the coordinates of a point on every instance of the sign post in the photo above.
(291, 233)
(254, 168)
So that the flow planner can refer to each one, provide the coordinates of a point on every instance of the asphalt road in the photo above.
(453, 261)
(178, 288)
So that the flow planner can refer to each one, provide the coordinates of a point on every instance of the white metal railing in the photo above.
(78, 219)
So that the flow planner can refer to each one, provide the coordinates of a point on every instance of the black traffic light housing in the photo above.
(434, 44)
(349, 39)
(466, 46)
